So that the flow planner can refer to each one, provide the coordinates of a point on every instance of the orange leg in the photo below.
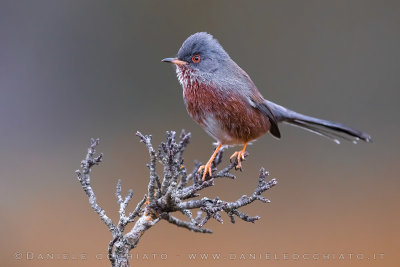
(240, 156)
(207, 167)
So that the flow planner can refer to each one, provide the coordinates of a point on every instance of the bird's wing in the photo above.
(265, 109)
(258, 102)
(249, 91)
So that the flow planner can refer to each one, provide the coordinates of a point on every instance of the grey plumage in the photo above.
(329, 129)
(217, 70)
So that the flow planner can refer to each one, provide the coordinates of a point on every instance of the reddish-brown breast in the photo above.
(224, 115)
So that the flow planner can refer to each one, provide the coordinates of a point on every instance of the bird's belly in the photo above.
(226, 118)
(215, 128)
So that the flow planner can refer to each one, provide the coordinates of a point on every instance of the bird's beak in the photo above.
(175, 61)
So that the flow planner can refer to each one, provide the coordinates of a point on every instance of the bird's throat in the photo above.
(186, 77)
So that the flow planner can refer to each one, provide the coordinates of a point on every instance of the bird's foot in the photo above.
(147, 201)
(206, 169)
(239, 155)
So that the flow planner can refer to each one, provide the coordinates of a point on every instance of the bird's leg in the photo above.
(240, 156)
(207, 168)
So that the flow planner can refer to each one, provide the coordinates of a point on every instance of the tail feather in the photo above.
(331, 130)
(330, 134)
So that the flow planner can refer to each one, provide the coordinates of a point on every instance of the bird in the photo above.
(221, 97)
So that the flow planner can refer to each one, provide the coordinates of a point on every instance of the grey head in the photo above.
(202, 53)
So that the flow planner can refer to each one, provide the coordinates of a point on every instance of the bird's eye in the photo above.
(196, 58)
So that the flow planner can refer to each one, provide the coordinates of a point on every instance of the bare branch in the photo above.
(154, 183)
(136, 212)
(188, 225)
(177, 191)
(83, 176)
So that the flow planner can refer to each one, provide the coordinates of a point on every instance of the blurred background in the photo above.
(72, 70)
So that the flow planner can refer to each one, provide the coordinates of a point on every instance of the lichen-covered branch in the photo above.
(177, 191)
(84, 178)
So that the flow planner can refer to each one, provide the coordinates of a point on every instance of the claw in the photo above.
(239, 155)
(147, 201)
(208, 167)
(147, 216)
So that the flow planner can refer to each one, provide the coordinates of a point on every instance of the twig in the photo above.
(177, 191)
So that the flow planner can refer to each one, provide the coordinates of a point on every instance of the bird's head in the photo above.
(200, 56)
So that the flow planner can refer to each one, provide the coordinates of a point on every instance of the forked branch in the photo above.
(177, 191)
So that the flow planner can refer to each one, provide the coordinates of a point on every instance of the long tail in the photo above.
(331, 130)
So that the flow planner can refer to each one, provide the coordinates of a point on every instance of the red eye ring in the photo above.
(196, 58)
